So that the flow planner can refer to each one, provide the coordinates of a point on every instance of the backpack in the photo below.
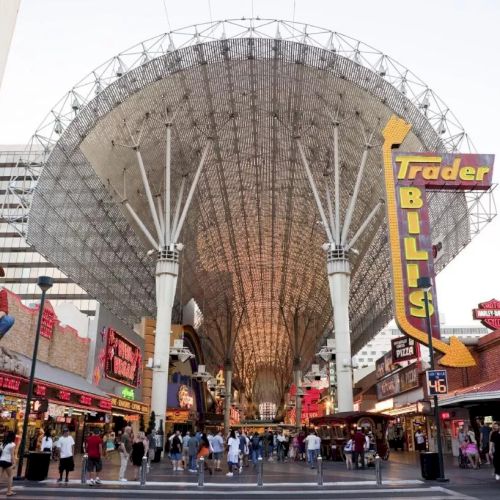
(255, 442)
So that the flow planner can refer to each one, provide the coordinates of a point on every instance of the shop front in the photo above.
(54, 405)
(128, 412)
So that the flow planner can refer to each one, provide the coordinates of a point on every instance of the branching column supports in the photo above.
(167, 231)
(338, 266)
(297, 376)
(228, 378)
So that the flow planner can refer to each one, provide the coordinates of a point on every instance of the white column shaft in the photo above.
(166, 283)
(227, 402)
(339, 281)
(298, 399)
(167, 185)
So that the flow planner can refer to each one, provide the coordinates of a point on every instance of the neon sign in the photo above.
(49, 319)
(10, 383)
(123, 359)
(64, 395)
(407, 175)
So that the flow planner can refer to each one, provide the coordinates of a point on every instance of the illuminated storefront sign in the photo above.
(52, 392)
(49, 320)
(489, 314)
(9, 383)
(384, 366)
(398, 382)
(185, 397)
(407, 176)
(178, 416)
(126, 404)
(123, 359)
(403, 349)
(128, 393)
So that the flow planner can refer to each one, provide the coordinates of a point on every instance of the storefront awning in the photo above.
(479, 393)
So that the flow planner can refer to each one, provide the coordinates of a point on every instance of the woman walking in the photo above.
(8, 460)
(138, 452)
(233, 453)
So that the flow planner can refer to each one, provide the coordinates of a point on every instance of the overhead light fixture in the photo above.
(180, 353)
(326, 353)
(201, 375)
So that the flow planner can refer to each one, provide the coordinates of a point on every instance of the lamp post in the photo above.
(425, 284)
(44, 282)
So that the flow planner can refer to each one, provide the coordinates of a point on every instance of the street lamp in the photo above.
(425, 284)
(44, 282)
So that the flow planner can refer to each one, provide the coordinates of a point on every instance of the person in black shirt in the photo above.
(495, 449)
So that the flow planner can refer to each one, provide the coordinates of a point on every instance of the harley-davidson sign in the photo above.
(489, 314)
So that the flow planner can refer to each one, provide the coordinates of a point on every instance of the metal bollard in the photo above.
(85, 460)
(201, 471)
(320, 470)
(378, 470)
(260, 470)
(144, 469)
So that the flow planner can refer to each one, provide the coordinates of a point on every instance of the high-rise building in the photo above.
(23, 265)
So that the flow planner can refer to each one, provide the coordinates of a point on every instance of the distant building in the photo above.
(23, 265)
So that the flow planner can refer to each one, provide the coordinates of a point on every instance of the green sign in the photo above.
(128, 393)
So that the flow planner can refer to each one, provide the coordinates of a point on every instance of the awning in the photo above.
(478, 393)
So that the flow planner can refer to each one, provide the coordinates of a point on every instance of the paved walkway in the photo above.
(400, 475)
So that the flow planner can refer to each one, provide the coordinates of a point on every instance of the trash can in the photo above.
(429, 464)
(37, 466)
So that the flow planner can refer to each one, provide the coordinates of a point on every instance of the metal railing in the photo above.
(144, 470)
(378, 470)
(260, 471)
(201, 471)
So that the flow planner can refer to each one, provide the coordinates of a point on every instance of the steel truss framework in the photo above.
(253, 235)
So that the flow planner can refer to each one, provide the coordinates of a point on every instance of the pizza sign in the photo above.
(489, 314)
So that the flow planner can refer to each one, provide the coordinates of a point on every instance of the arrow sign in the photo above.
(407, 175)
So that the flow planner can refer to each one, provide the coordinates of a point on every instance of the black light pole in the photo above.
(425, 283)
(44, 282)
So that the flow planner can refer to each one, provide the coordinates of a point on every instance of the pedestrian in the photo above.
(348, 449)
(185, 450)
(218, 450)
(8, 460)
(125, 448)
(94, 449)
(176, 451)
(233, 451)
(420, 440)
(256, 448)
(139, 451)
(359, 448)
(484, 441)
(495, 449)
(313, 445)
(204, 452)
(6, 321)
(66, 445)
(280, 446)
(302, 445)
(47, 443)
(192, 452)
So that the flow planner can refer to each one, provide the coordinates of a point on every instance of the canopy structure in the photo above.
(252, 238)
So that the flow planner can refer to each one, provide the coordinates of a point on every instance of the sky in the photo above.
(452, 45)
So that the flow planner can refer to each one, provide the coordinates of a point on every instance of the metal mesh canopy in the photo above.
(253, 235)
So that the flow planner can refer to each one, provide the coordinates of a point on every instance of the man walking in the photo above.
(218, 449)
(495, 449)
(93, 448)
(359, 448)
(125, 450)
(313, 445)
(192, 452)
(66, 445)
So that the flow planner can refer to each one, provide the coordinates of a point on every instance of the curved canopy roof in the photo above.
(253, 235)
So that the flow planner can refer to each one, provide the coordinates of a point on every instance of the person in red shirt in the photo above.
(6, 321)
(93, 448)
(359, 449)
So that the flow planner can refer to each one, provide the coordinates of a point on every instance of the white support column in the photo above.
(167, 182)
(339, 276)
(167, 269)
(228, 375)
(298, 399)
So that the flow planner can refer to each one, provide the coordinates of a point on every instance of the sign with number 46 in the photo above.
(437, 382)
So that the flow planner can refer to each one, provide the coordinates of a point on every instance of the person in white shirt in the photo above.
(233, 453)
(313, 445)
(66, 445)
(47, 443)
(8, 460)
